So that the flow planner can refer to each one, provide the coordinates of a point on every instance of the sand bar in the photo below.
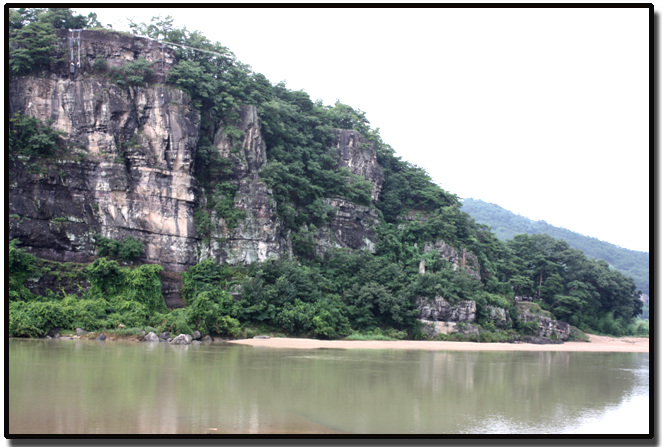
(596, 344)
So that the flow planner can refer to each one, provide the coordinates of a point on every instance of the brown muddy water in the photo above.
(89, 387)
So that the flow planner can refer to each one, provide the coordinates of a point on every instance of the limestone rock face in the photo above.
(128, 171)
(547, 326)
(257, 236)
(460, 258)
(498, 316)
(360, 157)
(112, 48)
(132, 173)
(434, 328)
(441, 310)
(353, 225)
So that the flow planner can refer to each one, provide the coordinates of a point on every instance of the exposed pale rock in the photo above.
(439, 309)
(182, 339)
(258, 236)
(352, 227)
(359, 156)
(460, 258)
(433, 328)
(547, 326)
(151, 337)
(498, 316)
(138, 145)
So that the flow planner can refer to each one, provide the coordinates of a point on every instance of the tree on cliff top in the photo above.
(32, 38)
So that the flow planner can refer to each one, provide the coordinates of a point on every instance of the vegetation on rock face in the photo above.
(30, 137)
(128, 249)
(134, 74)
(342, 293)
(32, 38)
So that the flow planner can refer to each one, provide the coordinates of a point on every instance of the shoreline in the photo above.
(596, 343)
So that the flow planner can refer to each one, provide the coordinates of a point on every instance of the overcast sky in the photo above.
(541, 111)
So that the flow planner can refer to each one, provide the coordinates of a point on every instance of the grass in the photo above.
(377, 335)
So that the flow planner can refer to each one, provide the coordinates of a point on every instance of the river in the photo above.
(90, 387)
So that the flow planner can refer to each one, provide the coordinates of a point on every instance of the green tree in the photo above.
(32, 38)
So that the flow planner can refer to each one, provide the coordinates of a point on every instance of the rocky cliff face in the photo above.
(460, 258)
(129, 170)
(130, 167)
(438, 316)
(258, 236)
(360, 157)
(353, 225)
(546, 326)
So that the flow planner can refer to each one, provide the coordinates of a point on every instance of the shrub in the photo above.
(100, 65)
(134, 73)
(89, 314)
(128, 249)
(20, 323)
(143, 284)
(175, 321)
(203, 224)
(131, 314)
(30, 136)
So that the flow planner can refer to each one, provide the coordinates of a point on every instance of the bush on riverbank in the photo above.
(114, 296)
(349, 295)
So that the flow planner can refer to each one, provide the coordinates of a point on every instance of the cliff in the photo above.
(119, 148)
(130, 167)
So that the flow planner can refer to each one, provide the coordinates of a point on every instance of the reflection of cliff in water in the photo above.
(158, 388)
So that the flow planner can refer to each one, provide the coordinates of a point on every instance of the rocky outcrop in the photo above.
(108, 49)
(359, 156)
(129, 168)
(547, 327)
(441, 310)
(257, 236)
(460, 258)
(353, 225)
(129, 165)
(438, 316)
(434, 328)
(499, 317)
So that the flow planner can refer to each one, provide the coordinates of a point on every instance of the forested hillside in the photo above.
(273, 212)
(506, 224)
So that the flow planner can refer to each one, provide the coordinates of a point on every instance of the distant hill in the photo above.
(506, 224)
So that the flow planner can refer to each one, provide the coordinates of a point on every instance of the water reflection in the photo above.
(83, 387)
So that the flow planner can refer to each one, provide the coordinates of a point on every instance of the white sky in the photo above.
(541, 111)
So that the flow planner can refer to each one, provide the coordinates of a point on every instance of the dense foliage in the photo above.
(506, 225)
(31, 137)
(116, 295)
(584, 292)
(32, 38)
(128, 249)
(342, 293)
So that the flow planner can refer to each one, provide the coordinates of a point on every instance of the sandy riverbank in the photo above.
(596, 344)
